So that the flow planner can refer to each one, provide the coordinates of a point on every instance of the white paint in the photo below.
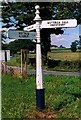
(39, 79)
(2, 55)
(31, 27)
(59, 23)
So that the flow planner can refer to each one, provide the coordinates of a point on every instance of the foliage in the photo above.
(24, 12)
(3, 37)
(64, 65)
(14, 61)
(62, 96)
(73, 47)
(58, 59)
(19, 15)
(32, 61)
(17, 45)
(53, 63)
(63, 55)
(64, 60)
(79, 43)
(4, 46)
(17, 96)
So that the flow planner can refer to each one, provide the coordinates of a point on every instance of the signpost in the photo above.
(19, 34)
(31, 27)
(40, 101)
(59, 23)
(54, 24)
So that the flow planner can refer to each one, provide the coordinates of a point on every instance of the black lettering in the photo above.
(20, 34)
(23, 34)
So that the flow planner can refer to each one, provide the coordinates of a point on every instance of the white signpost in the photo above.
(68, 23)
(59, 23)
(40, 101)
(19, 34)
(31, 27)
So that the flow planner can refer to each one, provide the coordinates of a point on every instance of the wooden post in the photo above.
(25, 70)
(24, 59)
(25, 66)
(5, 66)
(21, 64)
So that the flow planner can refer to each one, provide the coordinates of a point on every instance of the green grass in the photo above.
(13, 62)
(56, 54)
(18, 96)
(62, 95)
(63, 50)
(69, 56)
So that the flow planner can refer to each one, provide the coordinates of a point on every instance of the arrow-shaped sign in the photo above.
(54, 24)
(59, 23)
(18, 34)
(31, 27)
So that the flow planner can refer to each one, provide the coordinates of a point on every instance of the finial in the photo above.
(37, 7)
(37, 17)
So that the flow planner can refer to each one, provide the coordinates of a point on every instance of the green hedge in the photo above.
(64, 64)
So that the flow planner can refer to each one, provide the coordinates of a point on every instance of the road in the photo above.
(45, 72)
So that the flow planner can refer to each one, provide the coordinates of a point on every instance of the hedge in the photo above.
(64, 64)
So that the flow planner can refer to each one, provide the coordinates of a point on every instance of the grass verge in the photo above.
(62, 96)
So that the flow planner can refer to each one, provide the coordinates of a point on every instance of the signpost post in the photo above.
(40, 100)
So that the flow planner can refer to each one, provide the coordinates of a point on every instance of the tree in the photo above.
(61, 46)
(3, 42)
(73, 47)
(22, 14)
(79, 43)
(17, 45)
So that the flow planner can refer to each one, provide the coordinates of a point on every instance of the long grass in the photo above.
(62, 95)
(69, 56)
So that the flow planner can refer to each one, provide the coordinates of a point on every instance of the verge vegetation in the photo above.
(57, 59)
(62, 96)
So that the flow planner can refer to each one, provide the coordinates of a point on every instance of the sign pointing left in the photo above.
(30, 27)
(19, 34)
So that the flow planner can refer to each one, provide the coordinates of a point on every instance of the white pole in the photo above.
(40, 104)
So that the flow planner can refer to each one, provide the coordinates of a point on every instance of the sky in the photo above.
(69, 35)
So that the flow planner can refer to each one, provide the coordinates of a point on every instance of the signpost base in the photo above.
(40, 99)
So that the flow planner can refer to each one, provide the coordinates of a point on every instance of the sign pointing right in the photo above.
(59, 23)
